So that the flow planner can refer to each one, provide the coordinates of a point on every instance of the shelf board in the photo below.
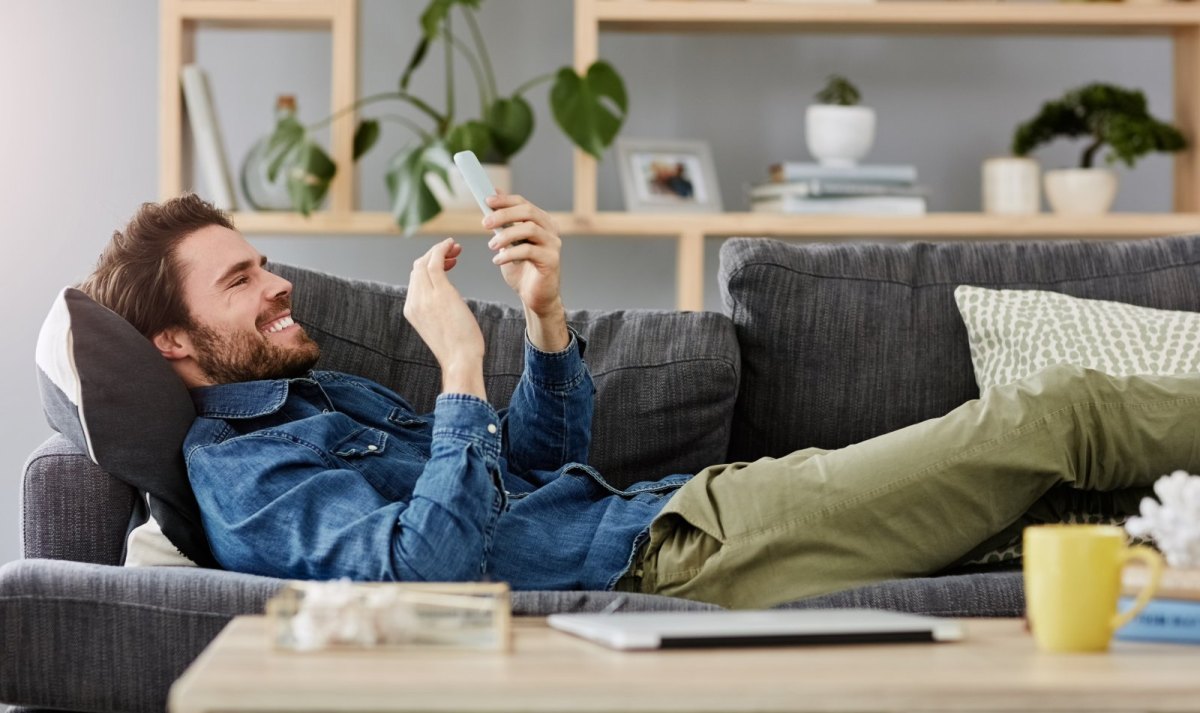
(260, 14)
(968, 16)
(932, 226)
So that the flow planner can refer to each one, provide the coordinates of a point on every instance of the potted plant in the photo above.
(1107, 115)
(838, 131)
(589, 109)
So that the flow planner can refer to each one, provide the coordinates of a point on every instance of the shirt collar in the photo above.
(245, 399)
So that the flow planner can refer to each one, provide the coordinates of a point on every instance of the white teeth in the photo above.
(278, 326)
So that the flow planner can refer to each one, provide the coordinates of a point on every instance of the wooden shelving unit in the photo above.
(1179, 22)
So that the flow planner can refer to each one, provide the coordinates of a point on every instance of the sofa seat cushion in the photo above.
(842, 342)
(104, 638)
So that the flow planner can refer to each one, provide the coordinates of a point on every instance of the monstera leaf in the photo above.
(511, 124)
(436, 12)
(309, 176)
(470, 136)
(581, 110)
(412, 202)
(365, 137)
(285, 141)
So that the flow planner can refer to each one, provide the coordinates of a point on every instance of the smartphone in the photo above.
(478, 182)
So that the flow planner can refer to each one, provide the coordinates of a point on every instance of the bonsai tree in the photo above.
(839, 91)
(589, 109)
(1106, 114)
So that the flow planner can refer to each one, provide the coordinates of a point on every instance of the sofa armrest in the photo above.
(70, 508)
(101, 638)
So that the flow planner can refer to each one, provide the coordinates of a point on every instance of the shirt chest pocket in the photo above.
(366, 450)
(360, 443)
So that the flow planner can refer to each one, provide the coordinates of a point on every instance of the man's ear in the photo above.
(173, 344)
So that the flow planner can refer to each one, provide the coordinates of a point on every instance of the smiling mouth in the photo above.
(278, 325)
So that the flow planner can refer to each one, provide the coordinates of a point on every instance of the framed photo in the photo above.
(668, 176)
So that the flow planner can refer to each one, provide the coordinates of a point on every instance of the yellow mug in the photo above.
(1073, 580)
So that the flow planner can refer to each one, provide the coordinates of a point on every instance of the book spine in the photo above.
(1163, 620)
(841, 206)
(209, 147)
(832, 189)
(791, 172)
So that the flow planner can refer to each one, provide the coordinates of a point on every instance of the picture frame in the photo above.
(668, 176)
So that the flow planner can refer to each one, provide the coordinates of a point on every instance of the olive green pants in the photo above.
(912, 502)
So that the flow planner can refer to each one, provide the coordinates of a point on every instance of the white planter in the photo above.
(1081, 191)
(839, 135)
(1011, 186)
(456, 196)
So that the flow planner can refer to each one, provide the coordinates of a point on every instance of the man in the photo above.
(316, 474)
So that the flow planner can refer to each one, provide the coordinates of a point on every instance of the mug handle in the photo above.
(1154, 561)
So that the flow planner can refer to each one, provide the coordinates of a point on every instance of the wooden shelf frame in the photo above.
(1179, 22)
(179, 20)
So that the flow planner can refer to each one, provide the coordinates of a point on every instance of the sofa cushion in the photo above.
(842, 342)
(102, 638)
(1016, 333)
(105, 388)
(665, 381)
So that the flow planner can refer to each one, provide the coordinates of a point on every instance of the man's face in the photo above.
(243, 329)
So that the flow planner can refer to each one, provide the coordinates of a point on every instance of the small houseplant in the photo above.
(837, 130)
(589, 109)
(1109, 116)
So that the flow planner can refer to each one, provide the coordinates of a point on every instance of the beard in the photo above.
(227, 358)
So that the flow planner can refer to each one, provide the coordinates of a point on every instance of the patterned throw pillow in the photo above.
(1016, 333)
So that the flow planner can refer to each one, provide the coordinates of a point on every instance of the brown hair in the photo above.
(137, 275)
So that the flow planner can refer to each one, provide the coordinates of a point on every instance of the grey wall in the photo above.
(78, 126)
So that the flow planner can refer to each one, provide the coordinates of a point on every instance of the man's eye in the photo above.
(240, 281)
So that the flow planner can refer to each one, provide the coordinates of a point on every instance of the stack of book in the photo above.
(810, 188)
(1174, 612)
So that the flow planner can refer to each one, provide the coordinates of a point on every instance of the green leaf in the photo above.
(584, 107)
(839, 91)
(309, 177)
(412, 203)
(511, 124)
(1106, 114)
(365, 137)
(288, 135)
(470, 136)
(435, 15)
(415, 61)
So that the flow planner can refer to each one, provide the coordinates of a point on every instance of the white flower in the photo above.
(1174, 525)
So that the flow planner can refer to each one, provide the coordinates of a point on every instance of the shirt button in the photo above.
(372, 448)
(491, 428)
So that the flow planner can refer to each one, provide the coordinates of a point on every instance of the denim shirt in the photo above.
(332, 475)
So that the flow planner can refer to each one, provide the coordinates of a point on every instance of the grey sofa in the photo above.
(820, 344)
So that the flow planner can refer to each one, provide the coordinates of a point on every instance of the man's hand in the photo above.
(439, 314)
(531, 268)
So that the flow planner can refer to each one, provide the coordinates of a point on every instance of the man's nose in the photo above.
(280, 288)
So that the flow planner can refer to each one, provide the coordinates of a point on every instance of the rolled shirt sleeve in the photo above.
(549, 420)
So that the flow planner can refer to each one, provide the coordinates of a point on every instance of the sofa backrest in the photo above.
(842, 342)
(665, 381)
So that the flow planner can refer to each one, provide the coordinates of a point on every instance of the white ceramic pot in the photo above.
(839, 135)
(457, 196)
(1081, 191)
(1011, 186)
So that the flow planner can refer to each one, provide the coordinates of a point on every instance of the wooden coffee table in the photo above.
(996, 669)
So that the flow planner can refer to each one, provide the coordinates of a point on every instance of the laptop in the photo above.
(673, 630)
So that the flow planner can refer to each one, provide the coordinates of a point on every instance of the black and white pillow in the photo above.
(108, 390)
